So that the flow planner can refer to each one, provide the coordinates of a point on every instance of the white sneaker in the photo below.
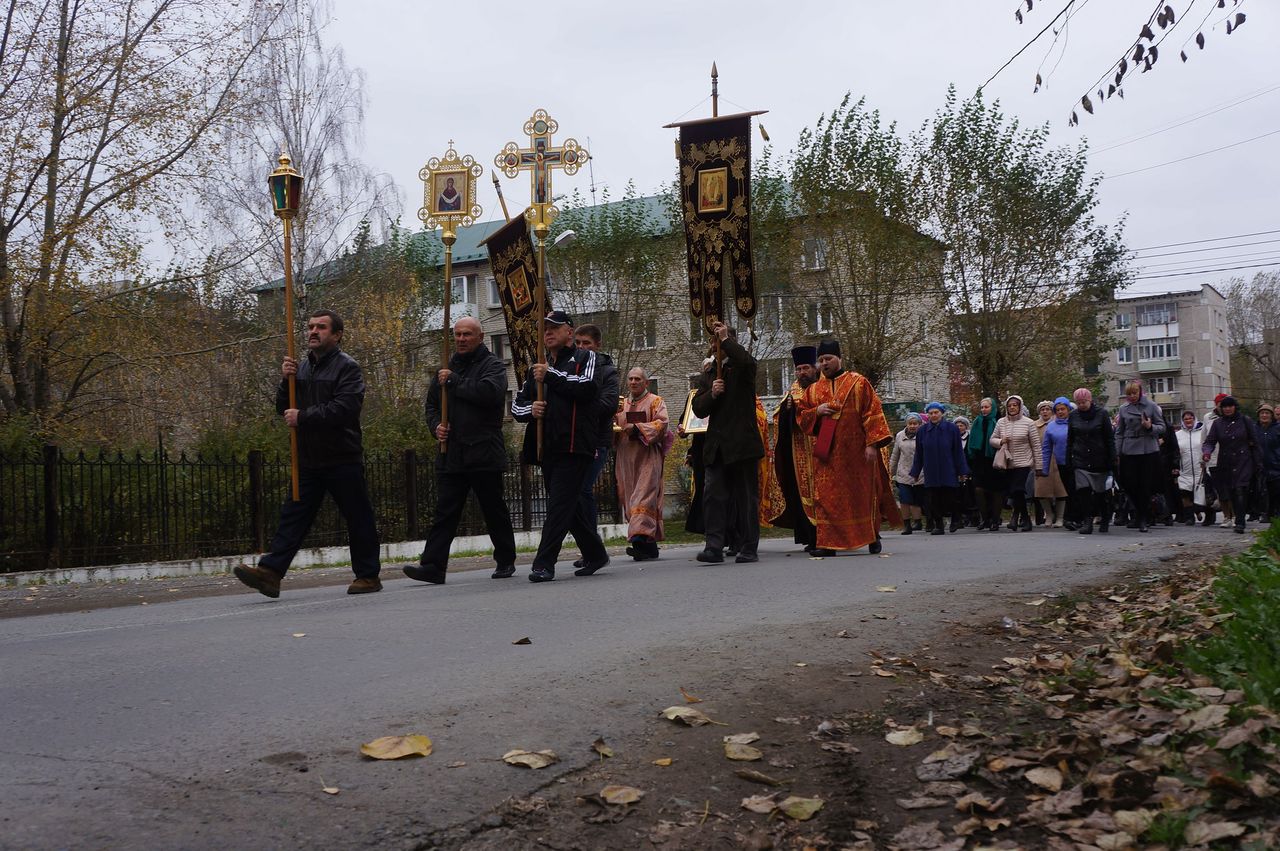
(1227, 523)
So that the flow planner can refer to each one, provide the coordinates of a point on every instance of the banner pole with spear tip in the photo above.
(448, 205)
(539, 159)
(286, 197)
(497, 187)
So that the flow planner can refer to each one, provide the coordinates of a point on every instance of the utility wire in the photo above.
(1192, 156)
(1183, 123)
(1211, 239)
(1219, 248)
(1034, 39)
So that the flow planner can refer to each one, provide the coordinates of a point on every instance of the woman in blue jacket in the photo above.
(940, 456)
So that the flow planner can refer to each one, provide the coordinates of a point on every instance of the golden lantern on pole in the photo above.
(286, 198)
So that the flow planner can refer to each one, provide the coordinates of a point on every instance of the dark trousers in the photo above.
(451, 499)
(346, 484)
(1240, 505)
(1273, 498)
(939, 503)
(589, 486)
(1138, 475)
(731, 506)
(562, 476)
(1067, 475)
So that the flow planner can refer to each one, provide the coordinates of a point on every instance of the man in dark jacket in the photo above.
(330, 394)
(475, 456)
(1269, 434)
(571, 428)
(731, 451)
(588, 337)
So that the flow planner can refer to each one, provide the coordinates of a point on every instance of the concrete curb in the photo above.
(402, 551)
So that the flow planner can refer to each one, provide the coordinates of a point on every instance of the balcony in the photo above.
(1174, 397)
(1165, 365)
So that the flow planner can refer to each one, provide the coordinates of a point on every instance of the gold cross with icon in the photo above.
(539, 159)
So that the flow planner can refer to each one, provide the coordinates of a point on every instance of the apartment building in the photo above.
(1176, 342)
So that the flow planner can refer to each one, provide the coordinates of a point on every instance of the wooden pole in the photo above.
(540, 231)
(449, 237)
(715, 91)
(291, 350)
(497, 187)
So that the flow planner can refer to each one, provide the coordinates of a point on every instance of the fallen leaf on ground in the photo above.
(881, 672)
(689, 698)
(299, 635)
(800, 809)
(691, 717)
(757, 777)
(743, 738)
(1202, 833)
(328, 790)
(1045, 778)
(949, 732)
(886, 589)
(922, 803)
(397, 747)
(530, 759)
(621, 795)
(742, 753)
(802, 664)
(839, 747)
(905, 738)
(601, 748)
(456, 764)
(663, 761)
(525, 640)
(760, 804)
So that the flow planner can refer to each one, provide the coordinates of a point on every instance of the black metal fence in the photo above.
(60, 510)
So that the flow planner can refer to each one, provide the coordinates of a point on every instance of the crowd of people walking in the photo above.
(836, 474)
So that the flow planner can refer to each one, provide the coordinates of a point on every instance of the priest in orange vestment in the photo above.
(842, 411)
(643, 439)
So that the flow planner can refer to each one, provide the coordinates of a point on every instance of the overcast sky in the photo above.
(613, 74)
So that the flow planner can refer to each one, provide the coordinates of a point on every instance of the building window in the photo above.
(464, 289)
(1124, 354)
(495, 295)
(646, 336)
(820, 318)
(653, 386)
(697, 331)
(813, 256)
(770, 313)
(774, 377)
(1162, 348)
(888, 388)
(1124, 321)
(1161, 384)
(1161, 313)
(924, 387)
(498, 345)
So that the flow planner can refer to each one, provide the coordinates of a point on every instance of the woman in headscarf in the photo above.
(910, 488)
(1019, 438)
(1239, 447)
(1190, 470)
(1091, 453)
(1138, 432)
(940, 459)
(1050, 494)
(988, 481)
(966, 504)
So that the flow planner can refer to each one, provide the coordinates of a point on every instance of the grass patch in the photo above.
(1243, 652)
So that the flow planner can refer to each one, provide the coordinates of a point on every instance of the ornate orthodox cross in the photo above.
(539, 159)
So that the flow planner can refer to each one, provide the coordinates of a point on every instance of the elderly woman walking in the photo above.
(1239, 447)
(1138, 432)
(910, 487)
(1091, 454)
(1190, 470)
(988, 481)
(940, 459)
(966, 503)
(1052, 471)
(1018, 439)
(1269, 431)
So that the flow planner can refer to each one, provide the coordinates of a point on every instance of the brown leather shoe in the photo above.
(365, 585)
(260, 579)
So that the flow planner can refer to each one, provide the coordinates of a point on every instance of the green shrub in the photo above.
(1244, 651)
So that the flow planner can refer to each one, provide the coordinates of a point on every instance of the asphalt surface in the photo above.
(214, 722)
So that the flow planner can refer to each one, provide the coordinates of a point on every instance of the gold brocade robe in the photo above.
(638, 465)
(847, 487)
(801, 453)
(772, 502)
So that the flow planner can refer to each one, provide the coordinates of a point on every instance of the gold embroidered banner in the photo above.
(715, 190)
(515, 268)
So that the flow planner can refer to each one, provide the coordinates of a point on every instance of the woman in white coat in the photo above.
(1190, 472)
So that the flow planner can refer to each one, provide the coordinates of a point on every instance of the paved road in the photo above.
(205, 723)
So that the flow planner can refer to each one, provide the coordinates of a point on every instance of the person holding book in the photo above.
(642, 442)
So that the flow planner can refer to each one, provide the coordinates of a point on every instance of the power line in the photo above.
(1192, 156)
(1034, 39)
(1200, 241)
(1254, 255)
(1219, 248)
(1183, 123)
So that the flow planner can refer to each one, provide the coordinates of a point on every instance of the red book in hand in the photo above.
(822, 444)
(637, 417)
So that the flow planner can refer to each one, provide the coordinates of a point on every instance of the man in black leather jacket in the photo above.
(330, 394)
(571, 425)
(475, 455)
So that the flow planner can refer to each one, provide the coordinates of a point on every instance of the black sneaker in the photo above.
(710, 557)
(875, 547)
(542, 574)
(744, 558)
(578, 562)
(589, 567)
(425, 573)
(821, 552)
(504, 571)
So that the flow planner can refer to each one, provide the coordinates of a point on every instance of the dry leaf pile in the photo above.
(1133, 750)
